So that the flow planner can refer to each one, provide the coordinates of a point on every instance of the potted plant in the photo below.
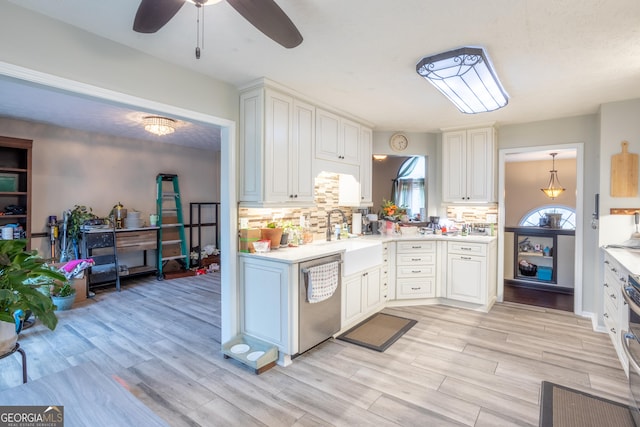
(75, 219)
(63, 295)
(272, 232)
(21, 274)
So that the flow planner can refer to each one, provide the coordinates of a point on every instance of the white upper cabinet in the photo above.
(337, 138)
(468, 163)
(276, 149)
(366, 145)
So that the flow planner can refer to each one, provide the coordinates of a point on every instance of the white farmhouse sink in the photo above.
(359, 255)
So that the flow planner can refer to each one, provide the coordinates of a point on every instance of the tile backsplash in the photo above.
(473, 214)
(326, 199)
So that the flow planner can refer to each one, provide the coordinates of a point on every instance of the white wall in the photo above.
(36, 42)
(73, 167)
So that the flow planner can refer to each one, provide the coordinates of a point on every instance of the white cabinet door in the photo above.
(328, 138)
(366, 159)
(278, 142)
(304, 128)
(480, 165)
(337, 138)
(350, 143)
(352, 299)
(372, 289)
(251, 146)
(467, 278)
(454, 186)
(265, 300)
(468, 162)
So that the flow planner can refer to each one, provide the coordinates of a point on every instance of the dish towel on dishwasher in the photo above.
(322, 281)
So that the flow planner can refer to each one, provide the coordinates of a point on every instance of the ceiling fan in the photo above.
(265, 15)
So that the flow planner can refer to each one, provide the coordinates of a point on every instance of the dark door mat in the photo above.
(562, 406)
(378, 332)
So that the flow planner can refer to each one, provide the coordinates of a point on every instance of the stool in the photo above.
(24, 360)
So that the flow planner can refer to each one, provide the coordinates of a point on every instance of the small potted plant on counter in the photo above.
(272, 232)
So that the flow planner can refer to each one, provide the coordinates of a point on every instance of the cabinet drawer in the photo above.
(611, 290)
(467, 248)
(416, 246)
(416, 258)
(416, 288)
(415, 270)
(137, 240)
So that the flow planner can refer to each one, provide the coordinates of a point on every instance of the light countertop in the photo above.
(629, 258)
(320, 248)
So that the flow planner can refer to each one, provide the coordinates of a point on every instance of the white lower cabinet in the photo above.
(415, 269)
(471, 273)
(615, 310)
(361, 295)
(266, 299)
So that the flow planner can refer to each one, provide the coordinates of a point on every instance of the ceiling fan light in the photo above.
(204, 2)
(466, 77)
(159, 125)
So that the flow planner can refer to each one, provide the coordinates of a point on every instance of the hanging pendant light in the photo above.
(554, 188)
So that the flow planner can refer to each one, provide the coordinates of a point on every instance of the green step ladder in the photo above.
(172, 244)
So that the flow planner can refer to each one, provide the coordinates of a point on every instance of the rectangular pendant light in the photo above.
(466, 77)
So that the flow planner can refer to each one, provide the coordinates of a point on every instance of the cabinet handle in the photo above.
(606, 262)
(606, 315)
(465, 257)
(613, 330)
(416, 271)
(465, 249)
(416, 247)
(606, 285)
(415, 289)
(614, 269)
(613, 296)
(416, 259)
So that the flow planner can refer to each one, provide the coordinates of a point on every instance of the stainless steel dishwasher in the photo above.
(317, 321)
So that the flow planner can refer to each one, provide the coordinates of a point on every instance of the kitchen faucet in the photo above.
(344, 221)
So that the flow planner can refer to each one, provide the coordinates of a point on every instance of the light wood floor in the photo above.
(454, 367)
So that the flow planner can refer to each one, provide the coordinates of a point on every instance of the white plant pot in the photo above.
(8, 336)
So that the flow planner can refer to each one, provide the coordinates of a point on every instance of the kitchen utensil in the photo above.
(636, 220)
(624, 173)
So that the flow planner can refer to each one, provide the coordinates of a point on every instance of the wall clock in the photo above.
(398, 142)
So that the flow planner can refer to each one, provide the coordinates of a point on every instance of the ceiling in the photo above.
(555, 59)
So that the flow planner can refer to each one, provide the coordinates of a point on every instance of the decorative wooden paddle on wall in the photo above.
(624, 173)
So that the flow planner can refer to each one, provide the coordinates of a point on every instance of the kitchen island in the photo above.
(376, 271)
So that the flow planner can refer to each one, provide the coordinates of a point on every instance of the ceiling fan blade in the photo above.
(267, 17)
(154, 14)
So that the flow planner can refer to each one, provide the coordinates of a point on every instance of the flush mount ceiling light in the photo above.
(159, 125)
(379, 156)
(466, 77)
(554, 188)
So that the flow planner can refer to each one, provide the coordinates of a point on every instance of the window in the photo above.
(532, 218)
(409, 185)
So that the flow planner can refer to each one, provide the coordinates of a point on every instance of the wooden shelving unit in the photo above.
(15, 182)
